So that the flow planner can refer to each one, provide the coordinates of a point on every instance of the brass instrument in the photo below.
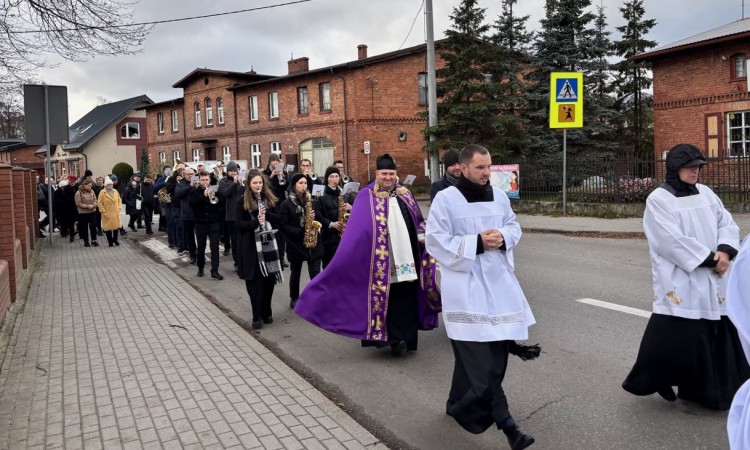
(212, 198)
(282, 179)
(313, 176)
(312, 227)
(343, 215)
(345, 179)
(176, 172)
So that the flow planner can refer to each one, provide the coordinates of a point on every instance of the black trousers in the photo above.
(188, 231)
(260, 291)
(212, 231)
(147, 212)
(112, 236)
(313, 268)
(86, 226)
(477, 399)
(133, 219)
(230, 230)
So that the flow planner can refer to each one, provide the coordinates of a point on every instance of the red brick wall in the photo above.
(5, 298)
(690, 85)
(197, 90)
(169, 141)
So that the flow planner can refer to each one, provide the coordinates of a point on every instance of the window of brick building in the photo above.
(273, 105)
(303, 105)
(175, 156)
(252, 106)
(197, 114)
(175, 123)
(325, 96)
(209, 113)
(220, 110)
(196, 154)
(739, 66)
(738, 134)
(255, 155)
(422, 84)
(160, 121)
(163, 158)
(276, 148)
(226, 153)
(131, 130)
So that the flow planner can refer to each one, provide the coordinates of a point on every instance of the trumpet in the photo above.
(345, 179)
(313, 176)
(212, 198)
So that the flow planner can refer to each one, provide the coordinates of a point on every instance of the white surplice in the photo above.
(738, 310)
(482, 300)
(681, 233)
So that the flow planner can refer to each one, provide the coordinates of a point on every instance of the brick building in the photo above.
(322, 114)
(701, 92)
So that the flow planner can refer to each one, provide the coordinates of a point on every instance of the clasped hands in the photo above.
(722, 263)
(492, 239)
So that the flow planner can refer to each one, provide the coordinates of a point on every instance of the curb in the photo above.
(589, 234)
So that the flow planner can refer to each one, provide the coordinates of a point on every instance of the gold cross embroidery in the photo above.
(381, 218)
(378, 287)
(382, 252)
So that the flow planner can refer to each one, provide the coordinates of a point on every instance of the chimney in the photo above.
(297, 65)
(361, 51)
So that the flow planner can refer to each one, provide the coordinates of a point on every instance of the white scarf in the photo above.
(402, 260)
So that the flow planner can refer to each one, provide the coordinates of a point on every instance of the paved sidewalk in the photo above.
(114, 350)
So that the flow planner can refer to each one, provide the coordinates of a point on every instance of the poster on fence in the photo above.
(505, 177)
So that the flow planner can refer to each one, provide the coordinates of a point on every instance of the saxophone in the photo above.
(311, 226)
(343, 215)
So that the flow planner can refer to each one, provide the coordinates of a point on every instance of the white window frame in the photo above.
(220, 110)
(276, 148)
(324, 89)
(160, 122)
(209, 112)
(125, 132)
(255, 155)
(163, 157)
(197, 106)
(175, 121)
(196, 154)
(744, 130)
(273, 105)
(226, 153)
(175, 156)
(252, 106)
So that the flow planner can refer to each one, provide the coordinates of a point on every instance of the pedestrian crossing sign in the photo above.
(566, 100)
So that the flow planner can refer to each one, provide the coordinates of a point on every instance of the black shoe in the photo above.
(123, 232)
(667, 393)
(181, 251)
(519, 441)
(111, 244)
(284, 265)
(192, 261)
(227, 252)
(99, 233)
(257, 324)
(86, 244)
(217, 276)
(399, 348)
(268, 320)
(72, 238)
(200, 272)
(292, 302)
(149, 232)
(171, 245)
(94, 243)
(133, 228)
(117, 243)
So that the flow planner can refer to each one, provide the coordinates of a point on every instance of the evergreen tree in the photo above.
(511, 45)
(144, 168)
(468, 112)
(633, 78)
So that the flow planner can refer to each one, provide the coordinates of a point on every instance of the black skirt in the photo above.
(703, 358)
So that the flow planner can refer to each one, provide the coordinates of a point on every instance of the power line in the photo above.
(421, 5)
(158, 22)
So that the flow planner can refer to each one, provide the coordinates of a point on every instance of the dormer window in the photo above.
(739, 66)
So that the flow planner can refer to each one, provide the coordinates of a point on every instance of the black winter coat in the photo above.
(247, 253)
(328, 211)
(232, 193)
(65, 209)
(294, 234)
(171, 185)
(203, 210)
(129, 198)
(147, 191)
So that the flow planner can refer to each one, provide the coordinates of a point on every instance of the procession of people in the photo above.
(381, 273)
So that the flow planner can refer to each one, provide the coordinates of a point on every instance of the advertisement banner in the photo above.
(506, 178)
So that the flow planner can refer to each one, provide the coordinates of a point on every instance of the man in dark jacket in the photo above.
(451, 173)
(231, 191)
(186, 215)
(207, 215)
(42, 202)
(147, 205)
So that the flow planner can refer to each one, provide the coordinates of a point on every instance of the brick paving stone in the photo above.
(118, 375)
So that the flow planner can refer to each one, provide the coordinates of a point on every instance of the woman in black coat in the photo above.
(293, 220)
(130, 199)
(328, 214)
(259, 282)
(65, 210)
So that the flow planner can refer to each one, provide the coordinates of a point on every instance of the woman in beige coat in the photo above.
(110, 205)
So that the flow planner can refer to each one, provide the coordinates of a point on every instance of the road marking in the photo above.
(616, 307)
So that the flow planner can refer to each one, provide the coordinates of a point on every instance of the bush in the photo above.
(123, 171)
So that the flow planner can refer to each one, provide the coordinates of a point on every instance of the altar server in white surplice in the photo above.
(471, 232)
(689, 342)
(738, 310)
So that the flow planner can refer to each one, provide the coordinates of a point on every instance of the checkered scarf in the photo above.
(268, 252)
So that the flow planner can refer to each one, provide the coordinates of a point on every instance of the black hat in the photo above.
(450, 157)
(232, 166)
(295, 178)
(329, 171)
(88, 173)
(385, 162)
(684, 155)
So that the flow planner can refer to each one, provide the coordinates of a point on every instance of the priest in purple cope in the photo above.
(380, 286)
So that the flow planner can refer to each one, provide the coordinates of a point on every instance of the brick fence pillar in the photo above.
(32, 208)
(7, 227)
(19, 213)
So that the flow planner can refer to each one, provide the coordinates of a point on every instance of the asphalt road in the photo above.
(569, 398)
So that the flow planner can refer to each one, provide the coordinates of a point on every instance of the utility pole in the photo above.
(434, 155)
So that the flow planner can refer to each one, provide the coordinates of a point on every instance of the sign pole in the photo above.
(565, 172)
(51, 226)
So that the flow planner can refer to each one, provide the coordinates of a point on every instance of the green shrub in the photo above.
(123, 171)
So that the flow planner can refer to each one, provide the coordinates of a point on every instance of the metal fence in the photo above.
(620, 178)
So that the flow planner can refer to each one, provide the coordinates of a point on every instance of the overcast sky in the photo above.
(326, 31)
